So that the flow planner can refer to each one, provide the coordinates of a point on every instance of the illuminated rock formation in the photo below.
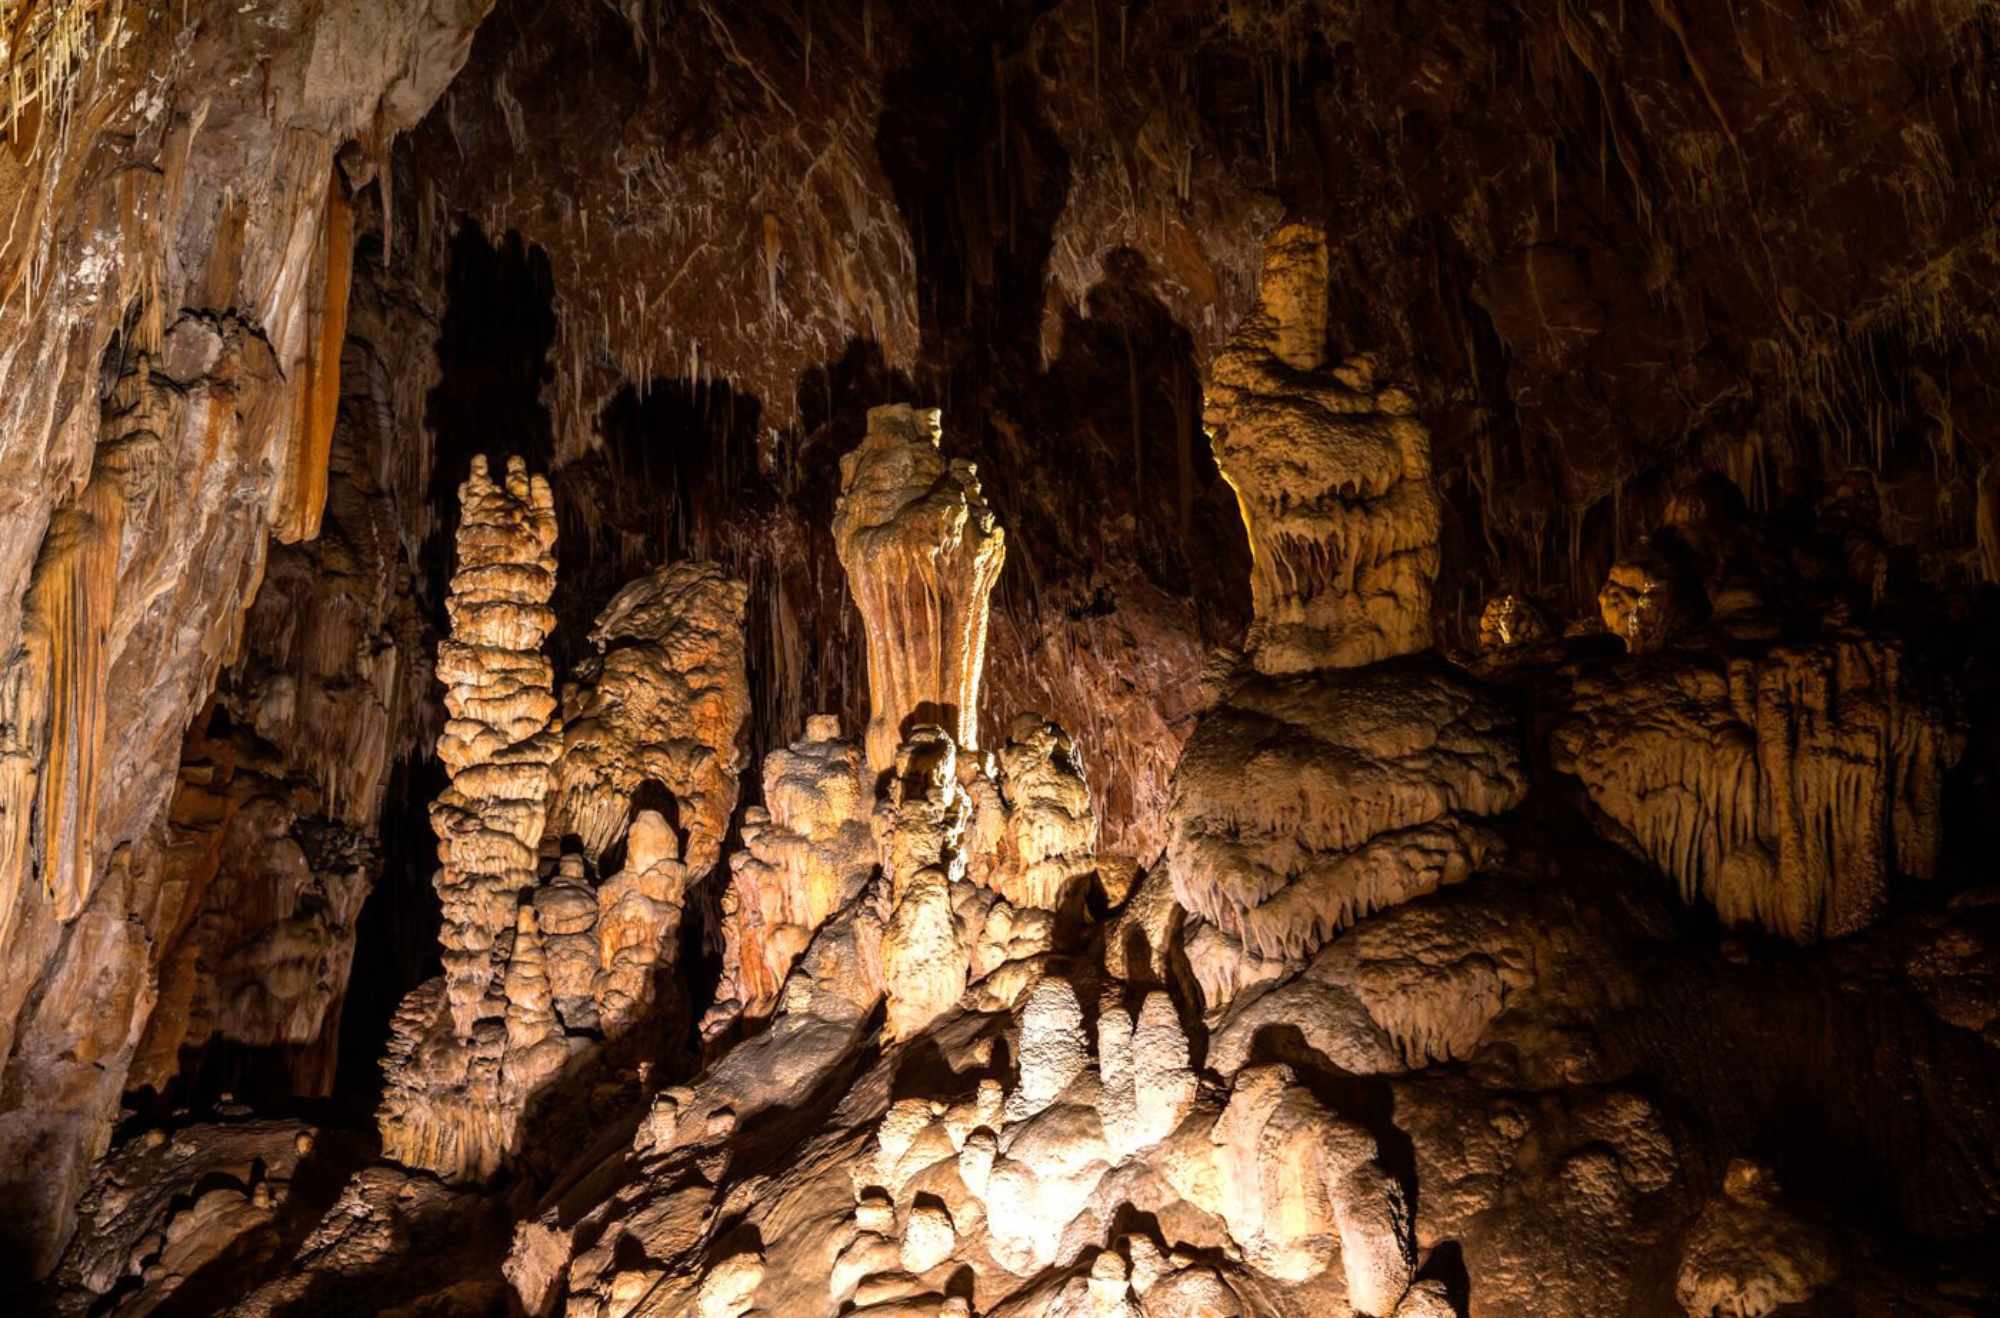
(665, 703)
(1748, 1255)
(1034, 831)
(1287, 1176)
(1645, 602)
(1333, 476)
(1788, 789)
(1327, 782)
(1509, 621)
(1303, 803)
(454, 1092)
(808, 851)
(922, 552)
(500, 743)
(920, 825)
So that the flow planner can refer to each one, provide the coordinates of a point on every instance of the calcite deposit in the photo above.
(666, 703)
(922, 552)
(1790, 787)
(1332, 473)
(1059, 660)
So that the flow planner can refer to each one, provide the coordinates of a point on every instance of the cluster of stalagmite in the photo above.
(807, 852)
(1787, 788)
(662, 710)
(922, 551)
(1333, 476)
(1034, 830)
(1336, 776)
(1748, 1255)
(920, 825)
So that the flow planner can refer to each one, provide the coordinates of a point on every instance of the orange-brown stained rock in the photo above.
(922, 551)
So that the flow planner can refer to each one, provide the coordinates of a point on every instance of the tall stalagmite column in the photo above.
(922, 551)
(499, 743)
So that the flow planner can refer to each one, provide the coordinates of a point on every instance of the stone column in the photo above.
(1332, 474)
(922, 551)
(499, 742)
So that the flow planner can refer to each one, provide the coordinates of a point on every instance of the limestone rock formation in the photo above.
(1509, 621)
(1036, 827)
(1747, 1255)
(1646, 602)
(501, 742)
(1789, 788)
(808, 852)
(920, 826)
(454, 1093)
(1303, 803)
(1333, 476)
(666, 703)
(1333, 778)
(922, 551)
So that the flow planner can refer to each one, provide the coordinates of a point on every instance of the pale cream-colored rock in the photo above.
(1333, 477)
(922, 552)
(1303, 803)
(920, 827)
(638, 917)
(730, 1288)
(665, 701)
(1034, 829)
(499, 742)
(1788, 789)
(1748, 1255)
(1289, 1177)
(1148, 1086)
(1054, 1048)
(807, 852)
(465, 1053)
(928, 1238)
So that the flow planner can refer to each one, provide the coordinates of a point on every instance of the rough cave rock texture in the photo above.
(179, 215)
(1333, 477)
(922, 552)
(1167, 925)
(470, 1047)
(1334, 778)
(666, 704)
(1788, 788)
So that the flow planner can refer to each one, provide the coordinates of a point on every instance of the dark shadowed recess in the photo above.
(396, 937)
(493, 355)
